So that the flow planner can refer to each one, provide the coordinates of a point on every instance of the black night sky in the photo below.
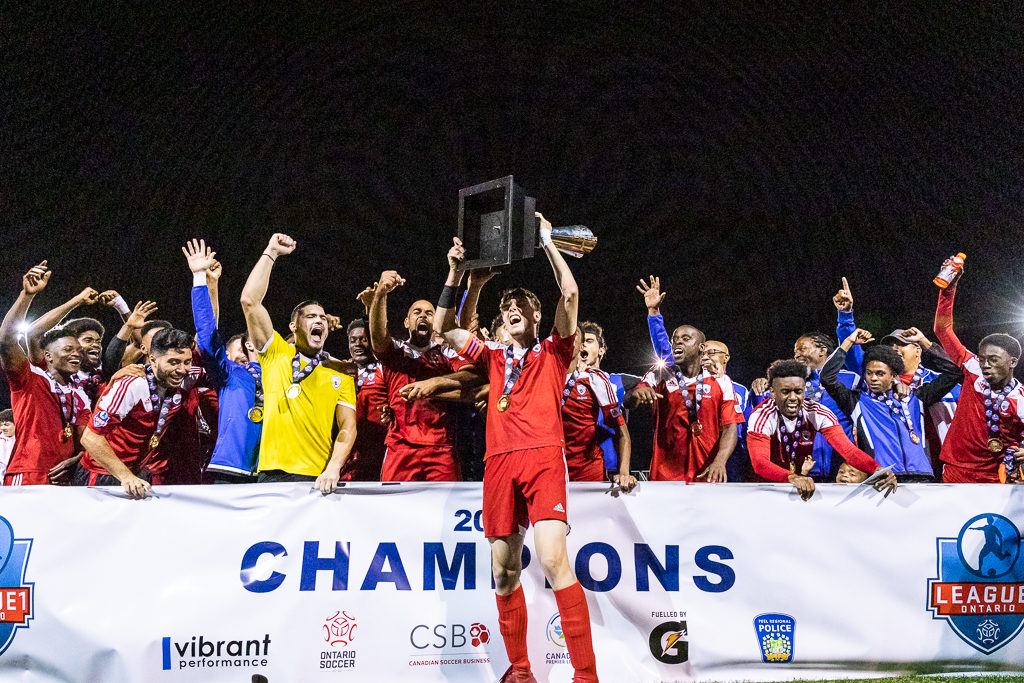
(751, 155)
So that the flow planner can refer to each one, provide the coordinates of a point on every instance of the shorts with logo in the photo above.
(521, 487)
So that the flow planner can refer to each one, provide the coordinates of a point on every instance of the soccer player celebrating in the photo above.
(695, 412)
(421, 441)
(234, 371)
(525, 473)
(588, 395)
(987, 420)
(50, 411)
(782, 430)
(140, 424)
(889, 427)
(302, 398)
(367, 457)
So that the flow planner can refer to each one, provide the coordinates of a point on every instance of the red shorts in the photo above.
(522, 487)
(584, 468)
(406, 462)
(26, 479)
(953, 474)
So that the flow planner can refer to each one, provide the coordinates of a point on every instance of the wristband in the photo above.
(120, 305)
(545, 239)
(199, 279)
(448, 296)
(272, 259)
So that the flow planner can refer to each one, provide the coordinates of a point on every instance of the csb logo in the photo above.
(16, 596)
(980, 584)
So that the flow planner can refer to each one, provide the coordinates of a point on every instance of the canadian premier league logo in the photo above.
(980, 587)
(15, 595)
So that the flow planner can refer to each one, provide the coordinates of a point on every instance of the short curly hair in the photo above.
(787, 368)
(887, 355)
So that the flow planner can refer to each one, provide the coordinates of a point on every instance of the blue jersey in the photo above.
(238, 437)
(622, 383)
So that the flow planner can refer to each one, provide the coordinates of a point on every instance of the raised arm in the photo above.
(115, 352)
(12, 356)
(653, 296)
(444, 315)
(943, 326)
(380, 339)
(208, 338)
(845, 398)
(568, 305)
(47, 321)
(257, 319)
(845, 326)
(477, 280)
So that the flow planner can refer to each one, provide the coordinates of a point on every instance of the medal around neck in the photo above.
(293, 390)
(256, 414)
(154, 441)
(504, 402)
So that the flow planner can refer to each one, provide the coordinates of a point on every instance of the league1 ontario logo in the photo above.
(16, 596)
(980, 587)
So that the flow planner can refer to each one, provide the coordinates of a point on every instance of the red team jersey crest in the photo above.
(679, 455)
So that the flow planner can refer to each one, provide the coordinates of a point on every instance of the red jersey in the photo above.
(678, 454)
(533, 418)
(769, 460)
(126, 417)
(418, 423)
(367, 456)
(38, 425)
(588, 393)
(966, 443)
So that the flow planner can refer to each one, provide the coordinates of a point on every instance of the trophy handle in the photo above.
(572, 240)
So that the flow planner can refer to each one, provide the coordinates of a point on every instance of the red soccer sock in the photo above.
(512, 624)
(572, 608)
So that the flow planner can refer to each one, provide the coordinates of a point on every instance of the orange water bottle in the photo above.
(949, 272)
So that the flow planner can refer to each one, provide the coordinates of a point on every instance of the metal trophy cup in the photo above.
(498, 225)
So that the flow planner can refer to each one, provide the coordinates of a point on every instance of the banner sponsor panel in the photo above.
(392, 582)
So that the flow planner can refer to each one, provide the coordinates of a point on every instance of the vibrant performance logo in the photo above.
(16, 596)
(980, 587)
(775, 635)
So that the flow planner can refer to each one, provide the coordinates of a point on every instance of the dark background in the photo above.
(749, 156)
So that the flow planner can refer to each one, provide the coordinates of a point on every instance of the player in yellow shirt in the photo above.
(301, 397)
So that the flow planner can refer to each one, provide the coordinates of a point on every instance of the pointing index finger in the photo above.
(846, 285)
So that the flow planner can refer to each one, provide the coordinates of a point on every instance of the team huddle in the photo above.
(161, 405)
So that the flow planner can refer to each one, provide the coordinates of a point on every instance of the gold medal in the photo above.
(504, 402)
(293, 391)
(995, 445)
(154, 441)
(68, 431)
(697, 428)
(915, 438)
(256, 414)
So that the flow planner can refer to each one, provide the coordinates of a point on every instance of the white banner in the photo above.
(392, 583)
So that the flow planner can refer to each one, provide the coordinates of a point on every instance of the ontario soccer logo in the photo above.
(980, 584)
(16, 596)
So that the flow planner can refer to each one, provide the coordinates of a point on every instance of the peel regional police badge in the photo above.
(980, 584)
(775, 635)
(16, 596)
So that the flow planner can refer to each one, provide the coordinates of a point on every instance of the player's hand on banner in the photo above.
(626, 482)
(715, 473)
(61, 473)
(843, 299)
(327, 482)
(804, 485)
(886, 483)
(136, 488)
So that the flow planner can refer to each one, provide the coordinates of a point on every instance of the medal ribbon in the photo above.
(813, 390)
(165, 405)
(569, 385)
(790, 440)
(67, 406)
(254, 371)
(514, 368)
(364, 374)
(992, 401)
(300, 374)
(699, 390)
(896, 408)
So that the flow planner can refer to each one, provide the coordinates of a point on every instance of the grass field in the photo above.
(928, 679)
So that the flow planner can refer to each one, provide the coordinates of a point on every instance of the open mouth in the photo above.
(316, 333)
(514, 319)
(74, 362)
(583, 354)
(423, 327)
